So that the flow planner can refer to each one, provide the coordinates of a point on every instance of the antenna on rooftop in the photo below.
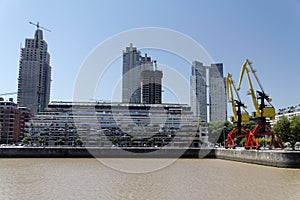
(38, 26)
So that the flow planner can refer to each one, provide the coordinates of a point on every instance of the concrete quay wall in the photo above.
(98, 152)
(276, 158)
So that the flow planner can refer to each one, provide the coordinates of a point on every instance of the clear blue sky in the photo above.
(267, 32)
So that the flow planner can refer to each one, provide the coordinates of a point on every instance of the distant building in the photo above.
(288, 112)
(131, 91)
(13, 121)
(151, 86)
(209, 104)
(198, 93)
(151, 82)
(139, 69)
(34, 74)
(217, 93)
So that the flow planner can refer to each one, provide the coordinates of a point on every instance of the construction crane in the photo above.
(262, 110)
(38, 26)
(238, 117)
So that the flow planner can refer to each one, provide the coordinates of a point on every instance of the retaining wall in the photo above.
(276, 158)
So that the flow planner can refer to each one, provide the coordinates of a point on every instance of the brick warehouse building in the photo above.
(13, 121)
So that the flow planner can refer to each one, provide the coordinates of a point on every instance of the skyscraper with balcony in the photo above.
(34, 74)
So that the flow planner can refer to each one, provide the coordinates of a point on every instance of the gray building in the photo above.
(209, 104)
(151, 86)
(140, 82)
(217, 93)
(198, 96)
(34, 74)
(131, 91)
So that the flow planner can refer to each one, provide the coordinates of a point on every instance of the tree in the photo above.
(25, 140)
(78, 142)
(249, 126)
(218, 129)
(282, 129)
(59, 141)
(295, 131)
(288, 130)
(41, 141)
(115, 140)
(150, 141)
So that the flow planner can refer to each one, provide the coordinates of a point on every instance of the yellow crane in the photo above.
(230, 87)
(261, 111)
(238, 117)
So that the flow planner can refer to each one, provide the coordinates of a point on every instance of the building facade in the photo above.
(34, 74)
(106, 124)
(13, 121)
(207, 95)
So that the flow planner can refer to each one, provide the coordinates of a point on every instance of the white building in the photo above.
(288, 112)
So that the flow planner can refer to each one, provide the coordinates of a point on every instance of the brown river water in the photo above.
(144, 179)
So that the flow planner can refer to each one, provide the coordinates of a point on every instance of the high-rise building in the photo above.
(34, 74)
(134, 65)
(217, 93)
(208, 104)
(198, 92)
(131, 91)
(151, 86)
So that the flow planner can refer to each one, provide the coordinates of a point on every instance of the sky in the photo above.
(265, 32)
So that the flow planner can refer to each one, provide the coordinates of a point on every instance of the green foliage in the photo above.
(41, 140)
(288, 130)
(295, 130)
(25, 140)
(78, 141)
(59, 141)
(243, 141)
(132, 139)
(218, 129)
(249, 126)
(115, 140)
(150, 141)
(282, 129)
(264, 141)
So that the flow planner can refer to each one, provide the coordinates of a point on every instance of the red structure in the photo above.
(13, 121)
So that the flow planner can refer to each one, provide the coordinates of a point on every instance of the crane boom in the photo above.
(251, 92)
(237, 115)
(38, 26)
(230, 95)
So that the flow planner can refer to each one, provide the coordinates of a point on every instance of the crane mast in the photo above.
(235, 103)
(238, 117)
